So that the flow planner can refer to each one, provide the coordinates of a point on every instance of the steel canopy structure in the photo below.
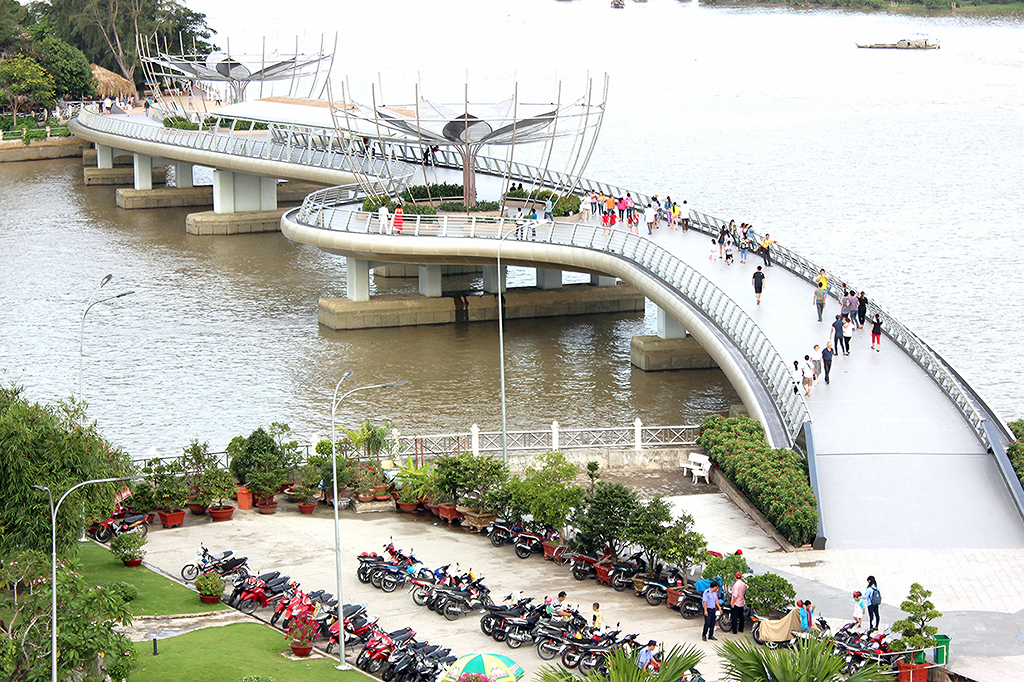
(470, 126)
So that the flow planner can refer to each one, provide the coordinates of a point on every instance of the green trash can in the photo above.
(941, 649)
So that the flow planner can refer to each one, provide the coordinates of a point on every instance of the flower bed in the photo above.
(1016, 450)
(774, 480)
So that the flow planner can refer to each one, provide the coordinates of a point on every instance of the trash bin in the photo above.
(942, 649)
(244, 498)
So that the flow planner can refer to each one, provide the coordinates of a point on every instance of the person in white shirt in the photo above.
(382, 216)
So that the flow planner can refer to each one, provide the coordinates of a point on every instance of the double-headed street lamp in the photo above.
(81, 333)
(337, 529)
(53, 553)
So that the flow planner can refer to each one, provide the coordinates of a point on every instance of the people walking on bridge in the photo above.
(873, 596)
(713, 256)
(399, 219)
(854, 305)
(629, 206)
(621, 205)
(847, 334)
(766, 249)
(844, 303)
(684, 211)
(808, 375)
(820, 294)
(822, 279)
(876, 333)
(816, 362)
(758, 282)
(862, 309)
(826, 359)
(837, 328)
(723, 235)
(382, 218)
(744, 246)
(548, 209)
(594, 201)
(609, 205)
(649, 217)
(674, 222)
(797, 374)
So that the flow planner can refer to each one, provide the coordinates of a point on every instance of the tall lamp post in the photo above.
(337, 529)
(81, 333)
(53, 556)
(501, 342)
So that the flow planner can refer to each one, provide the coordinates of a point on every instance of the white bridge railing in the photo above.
(636, 437)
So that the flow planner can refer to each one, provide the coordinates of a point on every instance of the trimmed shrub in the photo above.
(769, 592)
(180, 123)
(437, 191)
(126, 591)
(371, 204)
(459, 207)
(1016, 449)
(774, 480)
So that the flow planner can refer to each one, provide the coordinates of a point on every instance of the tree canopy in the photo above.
(69, 68)
(603, 520)
(24, 84)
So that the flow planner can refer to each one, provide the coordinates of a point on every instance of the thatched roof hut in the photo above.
(109, 84)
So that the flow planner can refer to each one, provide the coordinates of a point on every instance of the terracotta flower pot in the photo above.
(172, 519)
(365, 497)
(196, 508)
(268, 508)
(220, 513)
(448, 513)
(307, 507)
(381, 497)
(408, 507)
(301, 651)
(132, 562)
(209, 598)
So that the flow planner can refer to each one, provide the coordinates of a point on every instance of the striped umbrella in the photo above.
(497, 667)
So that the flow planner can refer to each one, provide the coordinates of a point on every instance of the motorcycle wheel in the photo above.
(375, 664)
(571, 657)
(688, 610)
(523, 552)
(286, 623)
(363, 573)
(755, 634)
(498, 635)
(652, 598)
(142, 529)
(276, 617)
(330, 647)
(361, 659)
(248, 606)
(588, 663)
(388, 584)
(580, 573)
(560, 556)
(388, 674)
(103, 534)
(487, 601)
(376, 577)
(487, 625)
(619, 584)
(419, 596)
(452, 611)
(772, 645)
(189, 572)
(241, 573)
(513, 642)
(438, 606)
(497, 539)
(548, 648)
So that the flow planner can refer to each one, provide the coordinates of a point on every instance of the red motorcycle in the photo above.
(583, 564)
(358, 626)
(295, 604)
(379, 646)
(528, 542)
(259, 594)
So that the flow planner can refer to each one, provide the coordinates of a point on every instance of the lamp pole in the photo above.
(337, 528)
(81, 332)
(53, 555)
(501, 343)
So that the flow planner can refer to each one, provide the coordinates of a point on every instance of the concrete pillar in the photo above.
(549, 279)
(143, 166)
(104, 156)
(233, 192)
(430, 280)
(602, 281)
(491, 278)
(357, 279)
(668, 327)
(182, 174)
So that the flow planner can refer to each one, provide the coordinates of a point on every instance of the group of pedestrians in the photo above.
(630, 211)
(867, 602)
(713, 600)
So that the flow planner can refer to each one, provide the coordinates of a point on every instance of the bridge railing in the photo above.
(321, 210)
(395, 174)
(940, 372)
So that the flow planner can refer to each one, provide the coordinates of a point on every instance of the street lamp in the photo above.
(501, 343)
(81, 333)
(53, 553)
(337, 529)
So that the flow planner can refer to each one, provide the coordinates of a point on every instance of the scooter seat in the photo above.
(448, 659)
(396, 633)
(128, 520)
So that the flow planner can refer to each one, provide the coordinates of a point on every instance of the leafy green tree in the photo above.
(69, 68)
(24, 84)
(725, 567)
(646, 527)
(86, 618)
(812, 660)
(604, 516)
(52, 446)
(914, 631)
(12, 15)
(622, 667)
(682, 545)
(769, 592)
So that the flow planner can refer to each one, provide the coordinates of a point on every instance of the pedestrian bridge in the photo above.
(901, 451)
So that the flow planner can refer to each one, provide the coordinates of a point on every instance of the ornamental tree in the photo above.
(769, 592)
(605, 515)
(914, 631)
(682, 545)
(72, 76)
(24, 84)
(646, 527)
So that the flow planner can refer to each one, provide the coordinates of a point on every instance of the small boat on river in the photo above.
(905, 44)
(618, 4)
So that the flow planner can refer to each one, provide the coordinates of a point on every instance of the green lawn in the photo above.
(228, 653)
(158, 596)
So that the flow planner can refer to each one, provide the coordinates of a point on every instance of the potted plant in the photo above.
(170, 490)
(408, 500)
(268, 471)
(143, 500)
(367, 478)
(218, 485)
(301, 634)
(307, 477)
(915, 633)
(129, 548)
(195, 460)
(210, 587)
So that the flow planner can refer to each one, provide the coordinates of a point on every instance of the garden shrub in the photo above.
(180, 123)
(561, 206)
(774, 480)
(126, 591)
(459, 207)
(372, 203)
(769, 592)
(1016, 450)
(436, 191)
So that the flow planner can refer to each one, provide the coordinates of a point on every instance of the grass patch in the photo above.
(158, 596)
(228, 653)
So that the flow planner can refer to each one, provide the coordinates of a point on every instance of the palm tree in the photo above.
(811, 660)
(622, 667)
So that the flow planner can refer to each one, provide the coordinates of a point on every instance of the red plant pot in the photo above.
(209, 598)
(132, 562)
(196, 508)
(268, 508)
(220, 513)
(382, 497)
(364, 497)
(307, 508)
(449, 514)
(301, 651)
(172, 519)
(408, 507)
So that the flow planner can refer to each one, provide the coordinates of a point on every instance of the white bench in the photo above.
(698, 466)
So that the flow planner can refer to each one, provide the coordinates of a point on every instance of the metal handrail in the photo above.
(321, 210)
(938, 369)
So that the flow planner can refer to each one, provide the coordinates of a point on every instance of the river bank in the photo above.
(933, 8)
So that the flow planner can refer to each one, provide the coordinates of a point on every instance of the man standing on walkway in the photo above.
(758, 282)
(382, 217)
(766, 249)
(819, 299)
(710, 601)
(826, 359)
(548, 208)
(837, 328)
(650, 215)
(738, 602)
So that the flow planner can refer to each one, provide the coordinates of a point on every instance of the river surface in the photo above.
(901, 170)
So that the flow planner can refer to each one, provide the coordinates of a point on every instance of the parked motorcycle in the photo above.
(621, 574)
(528, 542)
(583, 565)
(502, 532)
(224, 563)
(242, 583)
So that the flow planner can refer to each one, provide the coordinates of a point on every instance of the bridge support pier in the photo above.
(602, 281)
(143, 167)
(670, 349)
(669, 327)
(430, 280)
(357, 283)
(104, 156)
(549, 279)
(183, 175)
(233, 192)
(492, 283)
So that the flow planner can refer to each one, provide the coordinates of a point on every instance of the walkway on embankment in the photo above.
(892, 450)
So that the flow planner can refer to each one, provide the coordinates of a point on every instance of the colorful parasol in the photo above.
(496, 667)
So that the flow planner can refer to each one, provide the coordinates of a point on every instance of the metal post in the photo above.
(501, 347)
(81, 332)
(638, 434)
